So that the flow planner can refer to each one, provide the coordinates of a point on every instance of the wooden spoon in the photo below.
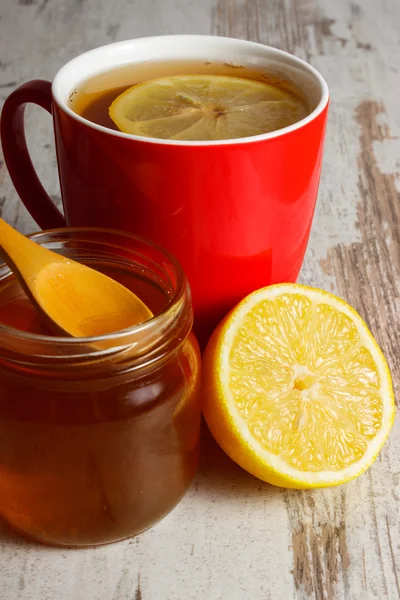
(72, 299)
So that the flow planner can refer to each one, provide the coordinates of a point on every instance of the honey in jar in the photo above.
(99, 437)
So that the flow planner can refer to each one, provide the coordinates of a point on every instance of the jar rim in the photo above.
(120, 338)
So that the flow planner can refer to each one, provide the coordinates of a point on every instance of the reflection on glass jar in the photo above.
(98, 437)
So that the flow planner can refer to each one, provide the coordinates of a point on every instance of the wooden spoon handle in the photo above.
(22, 254)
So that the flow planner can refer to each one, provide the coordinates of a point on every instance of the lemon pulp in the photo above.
(205, 107)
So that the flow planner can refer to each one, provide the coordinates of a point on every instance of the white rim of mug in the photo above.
(245, 140)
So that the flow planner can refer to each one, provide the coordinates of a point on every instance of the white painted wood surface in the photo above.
(233, 537)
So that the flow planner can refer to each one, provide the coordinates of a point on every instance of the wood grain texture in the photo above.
(233, 537)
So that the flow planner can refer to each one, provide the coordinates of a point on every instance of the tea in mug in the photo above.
(189, 101)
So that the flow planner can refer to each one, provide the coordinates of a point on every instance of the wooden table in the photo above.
(233, 537)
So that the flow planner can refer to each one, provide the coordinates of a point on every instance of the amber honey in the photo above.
(96, 445)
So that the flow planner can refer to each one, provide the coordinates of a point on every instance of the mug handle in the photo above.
(16, 154)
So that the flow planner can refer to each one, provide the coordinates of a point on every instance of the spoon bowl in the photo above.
(71, 298)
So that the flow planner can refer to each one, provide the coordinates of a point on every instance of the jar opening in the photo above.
(134, 262)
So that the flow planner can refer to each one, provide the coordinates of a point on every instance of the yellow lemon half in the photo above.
(296, 389)
(205, 107)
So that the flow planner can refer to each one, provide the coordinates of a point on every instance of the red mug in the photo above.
(236, 213)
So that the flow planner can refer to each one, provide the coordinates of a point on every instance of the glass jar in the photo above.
(99, 437)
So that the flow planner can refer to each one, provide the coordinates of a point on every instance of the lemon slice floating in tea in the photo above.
(296, 389)
(205, 107)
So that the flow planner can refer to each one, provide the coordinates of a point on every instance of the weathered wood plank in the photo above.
(233, 537)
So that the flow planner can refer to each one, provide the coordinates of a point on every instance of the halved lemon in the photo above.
(205, 107)
(296, 389)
